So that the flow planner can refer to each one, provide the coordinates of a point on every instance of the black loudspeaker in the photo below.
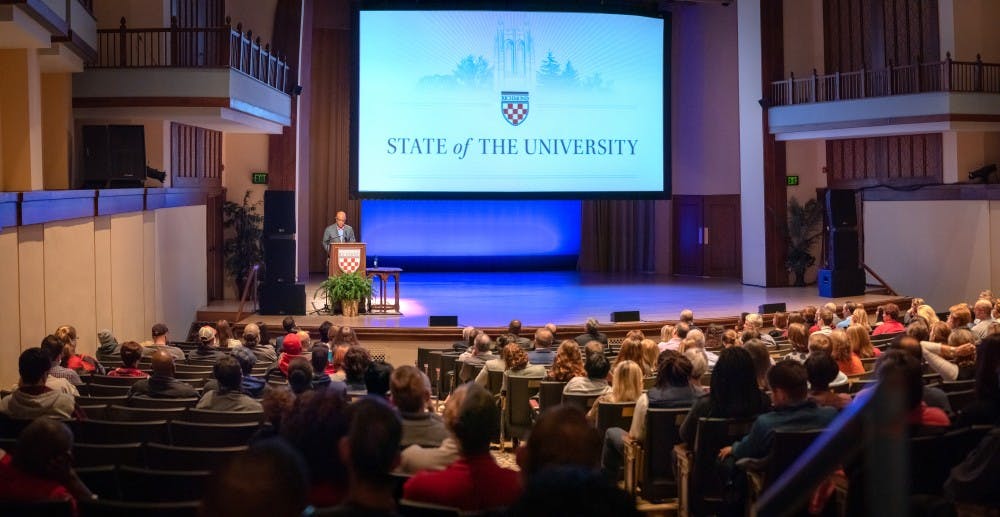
(843, 249)
(838, 283)
(442, 321)
(279, 212)
(771, 308)
(283, 298)
(841, 210)
(623, 316)
(279, 260)
(114, 156)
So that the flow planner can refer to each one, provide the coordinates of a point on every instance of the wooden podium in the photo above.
(347, 257)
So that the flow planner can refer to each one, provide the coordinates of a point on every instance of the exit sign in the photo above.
(791, 181)
(260, 178)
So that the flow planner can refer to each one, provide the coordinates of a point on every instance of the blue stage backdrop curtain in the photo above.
(617, 236)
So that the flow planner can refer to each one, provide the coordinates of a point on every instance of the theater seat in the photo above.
(161, 486)
(194, 434)
(169, 457)
(108, 508)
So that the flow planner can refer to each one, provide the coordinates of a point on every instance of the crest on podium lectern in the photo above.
(348, 259)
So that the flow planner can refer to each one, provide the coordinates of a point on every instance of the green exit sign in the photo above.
(791, 181)
(260, 178)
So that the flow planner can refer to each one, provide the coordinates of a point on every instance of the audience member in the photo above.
(628, 385)
(261, 349)
(32, 398)
(208, 346)
(592, 333)
(159, 333)
(252, 386)
(319, 358)
(377, 378)
(974, 480)
(824, 322)
(41, 467)
(846, 359)
(832, 307)
(912, 311)
(229, 396)
(679, 333)
(569, 490)
(809, 313)
(72, 360)
(324, 333)
(106, 343)
(469, 334)
(291, 347)
(53, 346)
(497, 364)
(595, 379)
(551, 327)
(860, 317)
(698, 364)
(517, 365)
(696, 339)
(847, 314)
(305, 341)
(940, 332)
(821, 370)
(289, 327)
(300, 375)
(901, 371)
(754, 323)
(416, 458)
(730, 338)
(476, 356)
(890, 321)
(130, 352)
(959, 316)
(631, 350)
(514, 329)
(734, 393)
(561, 437)
(985, 410)
(226, 339)
(474, 482)
(339, 352)
(279, 487)
(356, 362)
(542, 353)
(314, 427)
(792, 411)
(960, 349)
(650, 353)
(861, 343)
(410, 391)
(568, 362)
(983, 311)
(933, 395)
(761, 360)
(928, 314)
(799, 340)
(780, 323)
(162, 383)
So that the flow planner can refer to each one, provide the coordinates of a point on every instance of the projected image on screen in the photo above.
(485, 102)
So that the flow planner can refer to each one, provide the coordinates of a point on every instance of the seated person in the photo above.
(300, 375)
(567, 364)
(291, 347)
(229, 396)
(561, 437)
(252, 386)
(933, 396)
(475, 482)
(410, 390)
(595, 382)
(792, 411)
(955, 361)
(497, 364)
(542, 353)
(821, 370)
(32, 398)
(518, 366)
(822, 343)
(356, 362)
(593, 333)
(53, 346)
(72, 360)
(628, 383)
(377, 378)
(475, 356)
(162, 383)
(161, 342)
(208, 346)
(41, 469)
(106, 343)
(577, 491)
(251, 340)
(285, 495)
(416, 458)
(902, 371)
(130, 352)
(319, 358)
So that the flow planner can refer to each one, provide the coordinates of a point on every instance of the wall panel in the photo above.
(31, 283)
(891, 160)
(127, 269)
(10, 312)
(103, 273)
(70, 284)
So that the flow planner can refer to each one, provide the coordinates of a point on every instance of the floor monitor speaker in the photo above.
(443, 321)
(838, 283)
(623, 316)
(771, 308)
(282, 298)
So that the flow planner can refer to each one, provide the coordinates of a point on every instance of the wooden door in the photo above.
(722, 237)
(214, 233)
(688, 254)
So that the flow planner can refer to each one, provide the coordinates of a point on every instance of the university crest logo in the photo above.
(514, 107)
(348, 259)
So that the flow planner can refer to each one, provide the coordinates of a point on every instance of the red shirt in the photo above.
(473, 483)
(928, 415)
(853, 366)
(888, 327)
(127, 372)
(22, 487)
(81, 362)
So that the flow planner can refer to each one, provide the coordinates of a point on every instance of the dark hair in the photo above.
(225, 332)
(320, 358)
(245, 357)
(53, 346)
(346, 336)
(300, 375)
(761, 357)
(130, 353)
(265, 336)
(673, 369)
(477, 418)
(285, 494)
(988, 368)
(735, 392)
(288, 324)
(571, 490)
(908, 344)
(597, 366)
(158, 330)
(901, 369)
(514, 327)
(377, 378)
(228, 372)
(791, 377)
(821, 370)
(314, 426)
(682, 328)
(356, 362)
(713, 336)
(562, 436)
(374, 438)
(324, 328)
(33, 364)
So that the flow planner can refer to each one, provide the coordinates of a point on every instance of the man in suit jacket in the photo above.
(338, 232)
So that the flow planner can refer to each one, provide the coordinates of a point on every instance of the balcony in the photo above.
(63, 31)
(929, 97)
(215, 77)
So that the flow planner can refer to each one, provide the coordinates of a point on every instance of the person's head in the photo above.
(53, 346)
(860, 317)
(313, 426)
(67, 334)
(286, 495)
(228, 372)
(735, 392)
(339, 353)
(982, 308)
(593, 347)
(840, 346)
(288, 323)
(481, 343)
(159, 333)
(246, 358)
(780, 320)
(514, 357)
(809, 313)
(130, 352)
(681, 330)
(788, 382)
(901, 371)
(826, 317)
(514, 327)
(820, 343)
(162, 364)
(561, 437)
(346, 336)
(224, 330)
(371, 448)
(44, 448)
(959, 316)
(33, 366)
(796, 317)
(477, 419)
(631, 350)
(377, 378)
(410, 389)
(861, 343)
(265, 336)
(666, 332)
(597, 366)
(908, 344)
(207, 338)
(568, 362)
(697, 337)
(761, 359)
(673, 369)
(730, 338)
(319, 358)
(821, 370)
(650, 353)
(798, 338)
(331, 334)
(890, 312)
(961, 336)
(106, 338)
(592, 326)
(300, 375)
(918, 328)
(830, 306)
(927, 313)
(551, 327)
(291, 345)
(571, 490)
(305, 340)
(848, 309)
(699, 364)
(940, 331)
(628, 383)
(753, 322)
(341, 219)
(988, 369)
(251, 335)
(324, 330)
(687, 316)
(468, 333)
(356, 362)
(543, 338)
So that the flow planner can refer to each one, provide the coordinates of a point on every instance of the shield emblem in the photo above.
(514, 107)
(348, 259)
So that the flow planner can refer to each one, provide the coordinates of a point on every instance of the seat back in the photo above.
(160, 403)
(950, 386)
(550, 393)
(194, 434)
(108, 432)
(106, 508)
(84, 400)
(662, 434)
(105, 390)
(495, 384)
(159, 486)
(136, 414)
(96, 454)
(102, 481)
(168, 457)
(706, 482)
(98, 411)
(447, 381)
(614, 414)
(38, 508)
(787, 447)
(110, 380)
(518, 411)
(960, 399)
(207, 416)
(860, 384)
(583, 402)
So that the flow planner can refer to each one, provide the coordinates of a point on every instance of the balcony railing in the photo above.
(938, 76)
(180, 47)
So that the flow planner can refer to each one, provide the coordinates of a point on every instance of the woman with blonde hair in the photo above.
(860, 317)
(650, 351)
(225, 335)
(927, 312)
(627, 387)
(861, 342)
(631, 350)
(847, 361)
(72, 360)
(568, 362)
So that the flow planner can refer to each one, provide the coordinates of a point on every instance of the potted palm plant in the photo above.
(348, 289)
(244, 226)
(804, 221)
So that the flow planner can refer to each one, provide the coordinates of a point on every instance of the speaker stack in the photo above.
(843, 275)
(279, 294)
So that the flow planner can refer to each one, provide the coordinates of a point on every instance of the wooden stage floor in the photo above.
(563, 298)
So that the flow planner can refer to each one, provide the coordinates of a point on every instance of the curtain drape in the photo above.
(617, 236)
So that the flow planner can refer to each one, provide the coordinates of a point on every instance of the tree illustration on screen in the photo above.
(471, 72)
(555, 76)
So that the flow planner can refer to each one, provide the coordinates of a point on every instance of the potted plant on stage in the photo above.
(804, 222)
(348, 289)
(242, 246)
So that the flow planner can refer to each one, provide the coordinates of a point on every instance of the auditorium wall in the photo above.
(243, 154)
(123, 272)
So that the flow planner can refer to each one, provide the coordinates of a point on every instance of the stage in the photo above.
(564, 298)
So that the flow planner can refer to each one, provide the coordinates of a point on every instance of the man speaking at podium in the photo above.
(338, 232)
